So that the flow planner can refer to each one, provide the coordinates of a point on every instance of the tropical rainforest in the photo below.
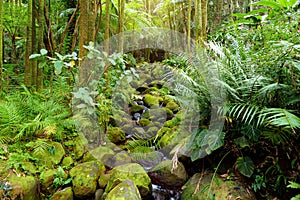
(150, 99)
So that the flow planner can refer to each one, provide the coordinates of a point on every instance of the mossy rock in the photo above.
(121, 158)
(165, 174)
(80, 147)
(151, 100)
(28, 167)
(220, 189)
(172, 106)
(65, 194)
(172, 123)
(136, 108)
(125, 190)
(115, 134)
(152, 131)
(103, 180)
(84, 178)
(168, 112)
(46, 181)
(48, 158)
(23, 187)
(67, 162)
(167, 138)
(99, 194)
(133, 172)
(144, 122)
(102, 154)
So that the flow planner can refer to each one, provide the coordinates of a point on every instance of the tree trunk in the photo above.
(121, 24)
(204, 20)
(189, 19)
(41, 21)
(33, 48)
(28, 62)
(1, 46)
(107, 25)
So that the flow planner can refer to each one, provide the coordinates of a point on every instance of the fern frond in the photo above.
(245, 112)
(279, 117)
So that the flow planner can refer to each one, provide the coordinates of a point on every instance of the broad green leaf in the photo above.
(245, 165)
(32, 56)
(293, 185)
(242, 142)
(43, 52)
(58, 65)
(271, 4)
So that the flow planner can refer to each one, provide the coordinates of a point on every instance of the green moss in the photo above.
(136, 108)
(65, 194)
(151, 100)
(133, 172)
(126, 190)
(103, 180)
(67, 162)
(172, 106)
(115, 134)
(144, 122)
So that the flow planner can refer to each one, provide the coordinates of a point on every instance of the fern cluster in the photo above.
(25, 115)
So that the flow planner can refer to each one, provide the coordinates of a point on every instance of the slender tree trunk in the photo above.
(204, 13)
(28, 62)
(189, 19)
(33, 48)
(107, 25)
(1, 46)
(41, 21)
(121, 24)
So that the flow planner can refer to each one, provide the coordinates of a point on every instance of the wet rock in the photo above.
(65, 194)
(102, 154)
(126, 190)
(220, 189)
(24, 187)
(133, 172)
(167, 175)
(84, 178)
(115, 134)
(51, 158)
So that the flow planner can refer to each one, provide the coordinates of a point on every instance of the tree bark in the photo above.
(204, 20)
(41, 21)
(189, 19)
(121, 24)
(107, 25)
(1, 46)
(28, 62)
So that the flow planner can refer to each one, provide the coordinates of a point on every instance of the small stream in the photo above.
(161, 193)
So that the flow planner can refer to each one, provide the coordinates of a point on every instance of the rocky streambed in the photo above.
(140, 156)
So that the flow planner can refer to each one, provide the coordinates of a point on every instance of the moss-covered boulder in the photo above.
(220, 189)
(65, 194)
(126, 190)
(135, 108)
(23, 187)
(165, 173)
(133, 172)
(103, 154)
(67, 162)
(144, 122)
(172, 106)
(28, 167)
(115, 134)
(51, 158)
(103, 180)
(121, 158)
(80, 147)
(46, 181)
(84, 178)
(151, 100)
